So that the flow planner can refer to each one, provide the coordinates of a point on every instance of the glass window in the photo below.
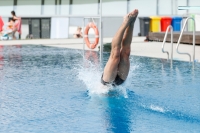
(84, 7)
(117, 7)
(6, 6)
(28, 7)
(145, 7)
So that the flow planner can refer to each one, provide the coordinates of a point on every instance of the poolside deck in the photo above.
(187, 37)
(138, 47)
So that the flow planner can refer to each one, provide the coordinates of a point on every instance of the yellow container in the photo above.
(155, 24)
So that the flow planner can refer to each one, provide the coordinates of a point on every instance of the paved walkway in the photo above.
(139, 47)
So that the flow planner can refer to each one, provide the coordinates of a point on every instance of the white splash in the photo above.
(90, 73)
(157, 108)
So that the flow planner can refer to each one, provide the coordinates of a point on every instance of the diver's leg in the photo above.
(111, 68)
(124, 64)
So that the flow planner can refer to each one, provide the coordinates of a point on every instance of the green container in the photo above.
(191, 23)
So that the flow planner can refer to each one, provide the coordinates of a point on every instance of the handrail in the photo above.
(169, 27)
(180, 37)
(188, 7)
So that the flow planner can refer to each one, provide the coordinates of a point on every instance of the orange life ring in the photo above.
(93, 45)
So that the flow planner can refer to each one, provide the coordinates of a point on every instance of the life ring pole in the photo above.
(98, 34)
(83, 38)
(100, 31)
(83, 35)
(101, 36)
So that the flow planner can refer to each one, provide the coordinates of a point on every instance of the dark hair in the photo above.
(13, 19)
(13, 13)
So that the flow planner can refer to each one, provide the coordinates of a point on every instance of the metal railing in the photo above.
(169, 27)
(188, 7)
(180, 37)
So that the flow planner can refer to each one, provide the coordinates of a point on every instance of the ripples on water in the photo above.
(46, 89)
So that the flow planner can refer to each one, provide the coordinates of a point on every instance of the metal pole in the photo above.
(56, 7)
(180, 37)
(172, 6)
(176, 4)
(164, 40)
(15, 5)
(83, 39)
(157, 7)
(42, 7)
(194, 34)
(101, 36)
(128, 2)
(177, 46)
(172, 42)
(187, 5)
(83, 34)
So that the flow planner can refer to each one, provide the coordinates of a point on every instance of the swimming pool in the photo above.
(48, 89)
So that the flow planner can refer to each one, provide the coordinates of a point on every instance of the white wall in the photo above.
(114, 7)
(5, 19)
(59, 27)
(180, 3)
(165, 7)
(25, 29)
(197, 21)
(64, 8)
(90, 7)
(145, 7)
(28, 7)
(194, 3)
(80, 7)
(49, 7)
(111, 25)
(6, 6)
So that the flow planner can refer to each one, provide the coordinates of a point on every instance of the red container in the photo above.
(165, 22)
(1, 24)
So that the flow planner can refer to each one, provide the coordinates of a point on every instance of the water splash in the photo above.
(157, 108)
(90, 74)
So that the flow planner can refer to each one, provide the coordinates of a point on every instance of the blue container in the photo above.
(176, 23)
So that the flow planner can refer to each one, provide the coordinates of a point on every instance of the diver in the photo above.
(118, 65)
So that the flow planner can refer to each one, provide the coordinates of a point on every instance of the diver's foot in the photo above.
(134, 15)
(130, 17)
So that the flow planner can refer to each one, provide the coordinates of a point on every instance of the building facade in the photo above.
(45, 18)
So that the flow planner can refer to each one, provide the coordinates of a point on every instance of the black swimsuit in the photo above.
(117, 81)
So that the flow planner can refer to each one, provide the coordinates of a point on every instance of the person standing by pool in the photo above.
(17, 25)
(117, 67)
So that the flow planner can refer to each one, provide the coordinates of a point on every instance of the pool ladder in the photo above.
(180, 37)
(169, 27)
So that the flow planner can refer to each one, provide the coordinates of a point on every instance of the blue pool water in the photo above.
(54, 90)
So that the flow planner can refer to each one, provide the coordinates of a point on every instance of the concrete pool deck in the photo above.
(139, 47)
